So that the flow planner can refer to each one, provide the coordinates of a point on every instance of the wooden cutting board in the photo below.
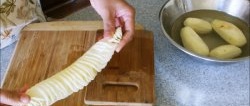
(46, 48)
(129, 77)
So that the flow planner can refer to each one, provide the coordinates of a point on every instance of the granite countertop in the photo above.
(180, 80)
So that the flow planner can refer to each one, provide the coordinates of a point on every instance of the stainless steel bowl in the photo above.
(174, 12)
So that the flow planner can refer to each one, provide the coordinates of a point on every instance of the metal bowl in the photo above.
(174, 12)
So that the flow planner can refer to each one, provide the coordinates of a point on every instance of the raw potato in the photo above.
(200, 26)
(229, 32)
(77, 75)
(225, 52)
(192, 41)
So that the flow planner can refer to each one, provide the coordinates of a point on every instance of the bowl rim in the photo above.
(190, 52)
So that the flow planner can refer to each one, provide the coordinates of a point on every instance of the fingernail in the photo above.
(24, 98)
(118, 50)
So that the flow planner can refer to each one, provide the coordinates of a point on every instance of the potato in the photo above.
(200, 26)
(192, 41)
(229, 32)
(76, 76)
(225, 52)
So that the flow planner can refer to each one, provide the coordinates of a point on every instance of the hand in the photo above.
(116, 13)
(8, 97)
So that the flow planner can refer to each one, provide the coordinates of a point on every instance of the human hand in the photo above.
(116, 13)
(15, 98)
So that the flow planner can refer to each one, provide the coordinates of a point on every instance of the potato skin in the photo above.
(225, 52)
(192, 41)
(200, 26)
(229, 32)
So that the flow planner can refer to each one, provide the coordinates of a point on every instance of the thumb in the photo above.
(24, 98)
(13, 98)
(108, 25)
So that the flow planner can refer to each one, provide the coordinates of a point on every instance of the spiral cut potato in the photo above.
(75, 76)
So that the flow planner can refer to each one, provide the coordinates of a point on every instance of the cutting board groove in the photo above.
(129, 77)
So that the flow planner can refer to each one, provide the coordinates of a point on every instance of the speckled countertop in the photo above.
(180, 80)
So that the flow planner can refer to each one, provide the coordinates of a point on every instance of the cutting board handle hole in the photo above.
(121, 85)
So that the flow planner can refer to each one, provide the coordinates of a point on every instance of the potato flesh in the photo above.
(229, 32)
(192, 41)
(225, 52)
(76, 76)
(200, 26)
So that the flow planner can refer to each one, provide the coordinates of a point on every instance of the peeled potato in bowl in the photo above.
(229, 32)
(225, 52)
(193, 42)
(200, 26)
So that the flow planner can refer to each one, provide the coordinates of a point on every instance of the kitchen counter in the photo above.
(180, 80)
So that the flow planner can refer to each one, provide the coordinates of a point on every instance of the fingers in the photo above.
(116, 13)
(129, 27)
(108, 24)
(24, 98)
(118, 22)
(13, 97)
(128, 36)
(24, 88)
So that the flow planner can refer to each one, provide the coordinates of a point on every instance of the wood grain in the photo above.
(70, 26)
(41, 53)
(129, 77)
